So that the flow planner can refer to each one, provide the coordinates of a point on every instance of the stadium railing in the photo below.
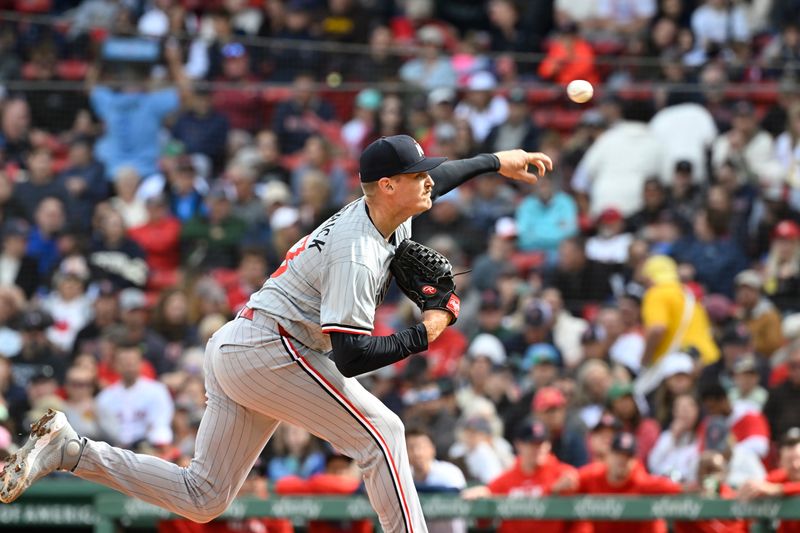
(71, 503)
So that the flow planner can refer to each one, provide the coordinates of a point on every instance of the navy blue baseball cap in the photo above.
(535, 431)
(398, 154)
(624, 442)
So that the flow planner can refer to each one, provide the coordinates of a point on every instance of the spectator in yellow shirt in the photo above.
(672, 318)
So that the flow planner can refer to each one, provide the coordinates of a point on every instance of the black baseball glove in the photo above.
(426, 277)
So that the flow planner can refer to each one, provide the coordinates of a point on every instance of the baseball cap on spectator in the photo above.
(540, 353)
(537, 314)
(535, 432)
(442, 95)
(284, 217)
(430, 34)
(490, 300)
(684, 166)
(173, 148)
(489, 346)
(610, 215)
(660, 269)
(619, 390)
(505, 227)
(16, 227)
(607, 421)
(624, 442)
(131, 299)
(219, 192)
(517, 95)
(735, 334)
(398, 154)
(791, 437)
(275, 192)
(676, 363)
(482, 81)
(477, 424)
(35, 320)
(234, 50)
(787, 229)
(716, 434)
(593, 333)
(369, 99)
(548, 398)
(746, 364)
(749, 278)
(43, 373)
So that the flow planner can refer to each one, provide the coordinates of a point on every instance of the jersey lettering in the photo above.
(293, 252)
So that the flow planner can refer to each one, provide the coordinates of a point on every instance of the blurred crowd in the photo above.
(635, 315)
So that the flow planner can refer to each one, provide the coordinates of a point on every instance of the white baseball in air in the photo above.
(580, 91)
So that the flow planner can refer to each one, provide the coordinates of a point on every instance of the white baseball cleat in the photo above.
(53, 445)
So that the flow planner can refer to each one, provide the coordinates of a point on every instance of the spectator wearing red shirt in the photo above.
(568, 58)
(784, 481)
(339, 478)
(159, 237)
(620, 473)
(240, 105)
(532, 476)
(749, 427)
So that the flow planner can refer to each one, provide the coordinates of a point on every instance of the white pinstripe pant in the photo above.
(256, 378)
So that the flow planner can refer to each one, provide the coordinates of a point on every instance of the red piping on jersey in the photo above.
(352, 408)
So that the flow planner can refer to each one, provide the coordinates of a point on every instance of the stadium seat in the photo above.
(72, 69)
(33, 6)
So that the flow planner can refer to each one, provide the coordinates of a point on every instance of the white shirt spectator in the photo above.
(624, 11)
(69, 317)
(567, 333)
(578, 11)
(670, 457)
(744, 465)
(446, 475)
(483, 120)
(628, 350)
(787, 154)
(757, 152)
(143, 411)
(614, 169)
(483, 463)
(697, 132)
(609, 249)
(712, 24)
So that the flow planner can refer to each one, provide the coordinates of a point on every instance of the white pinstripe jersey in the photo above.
(332, 279)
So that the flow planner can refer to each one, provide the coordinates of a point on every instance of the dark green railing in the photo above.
(78, 503)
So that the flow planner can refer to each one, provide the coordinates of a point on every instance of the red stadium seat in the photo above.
(544, 95)
(72, 69)
(33, 6)
(558, 119)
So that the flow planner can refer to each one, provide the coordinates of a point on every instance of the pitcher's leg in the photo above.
(229, 440)
(307, 390)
